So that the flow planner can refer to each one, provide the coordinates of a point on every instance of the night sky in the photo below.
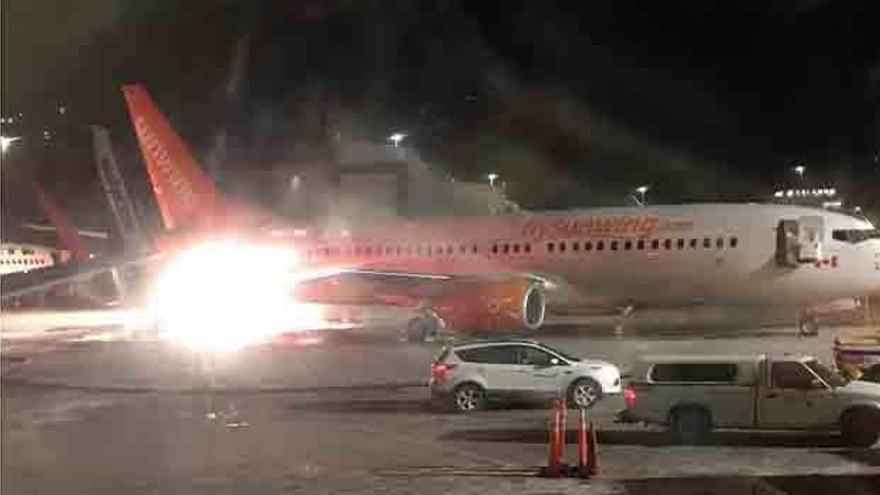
(574, 106)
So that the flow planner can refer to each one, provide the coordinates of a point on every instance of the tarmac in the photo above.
(352, 415)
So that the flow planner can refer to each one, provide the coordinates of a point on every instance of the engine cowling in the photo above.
(493, 306)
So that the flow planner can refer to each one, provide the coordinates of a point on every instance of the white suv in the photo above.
(466, 376)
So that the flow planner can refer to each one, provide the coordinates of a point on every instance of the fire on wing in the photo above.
(493, 306)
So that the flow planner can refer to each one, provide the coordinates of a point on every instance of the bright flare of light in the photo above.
(222, 296)
(6, 142)
(642, 189)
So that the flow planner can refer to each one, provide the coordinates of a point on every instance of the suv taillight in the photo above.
(440, 371)
(629, 397)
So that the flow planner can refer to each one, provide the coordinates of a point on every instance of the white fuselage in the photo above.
(657, 256)
(25, 257)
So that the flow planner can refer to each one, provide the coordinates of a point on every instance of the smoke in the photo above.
(232, 94)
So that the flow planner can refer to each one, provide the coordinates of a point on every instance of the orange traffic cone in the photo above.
(563, 418)
(583, 446)
(554, 454)
(592, 452)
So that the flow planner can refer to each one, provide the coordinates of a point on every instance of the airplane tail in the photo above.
(68, 239)
(185, 195)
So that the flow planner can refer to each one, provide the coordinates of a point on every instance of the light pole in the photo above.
(639, 198)
(800, 169)
(396, 138)
(492, 176)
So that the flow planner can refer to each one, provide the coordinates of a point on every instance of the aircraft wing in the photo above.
(24, 283)
(478, 301)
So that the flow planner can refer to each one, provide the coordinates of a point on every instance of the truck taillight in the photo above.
(629, 397)
(440, 371)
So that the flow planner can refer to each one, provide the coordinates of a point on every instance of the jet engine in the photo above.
(493, 306)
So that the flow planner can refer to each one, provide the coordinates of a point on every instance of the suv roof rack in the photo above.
(495, 341)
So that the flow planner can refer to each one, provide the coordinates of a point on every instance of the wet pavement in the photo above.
(353, 416)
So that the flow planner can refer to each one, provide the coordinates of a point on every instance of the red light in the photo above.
(440, 371)
(629, 397)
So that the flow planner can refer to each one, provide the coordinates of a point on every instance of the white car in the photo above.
(466, 376)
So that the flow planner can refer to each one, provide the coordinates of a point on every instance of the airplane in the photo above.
(501, 272)
(18, 257)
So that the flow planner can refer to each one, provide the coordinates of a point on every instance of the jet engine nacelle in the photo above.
(493, 306)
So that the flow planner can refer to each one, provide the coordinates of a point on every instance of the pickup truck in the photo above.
(860, 353)
(692, 394)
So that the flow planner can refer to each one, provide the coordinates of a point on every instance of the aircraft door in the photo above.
(811, 232)
(799, 241)
(787, 249)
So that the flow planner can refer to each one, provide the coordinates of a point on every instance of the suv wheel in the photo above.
(584, 393)
(468, 397)
(690, 424)
(860, 428)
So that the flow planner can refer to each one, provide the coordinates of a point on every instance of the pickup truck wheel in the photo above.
(860, 428)
(690, 424)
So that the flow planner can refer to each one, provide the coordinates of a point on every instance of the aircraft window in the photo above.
(575, 246)
(462, 249)
(505, 249)
(614, 245)
(855, 236)
(562, 246)
(693, 244)
(325, 251)
(719, 243)
(627, 245)
(733, 242)
(474, 249)
(439, 251)
(600, 245)
(550, 247)
(640, 244)
(368, 251)
(707, 243)
(494, 248)
(680, 244)
(449, 250)
(655, 244)
(27, 251)
(588, 246)
(516, 248)
(10, 251)
(527, 247)
(667, 244)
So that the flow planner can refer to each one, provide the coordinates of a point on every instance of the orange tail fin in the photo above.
(68, 239)
(186, 196)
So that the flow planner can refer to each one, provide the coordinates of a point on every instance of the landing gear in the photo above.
(423, 328)
(808, 325)
(620, 326)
